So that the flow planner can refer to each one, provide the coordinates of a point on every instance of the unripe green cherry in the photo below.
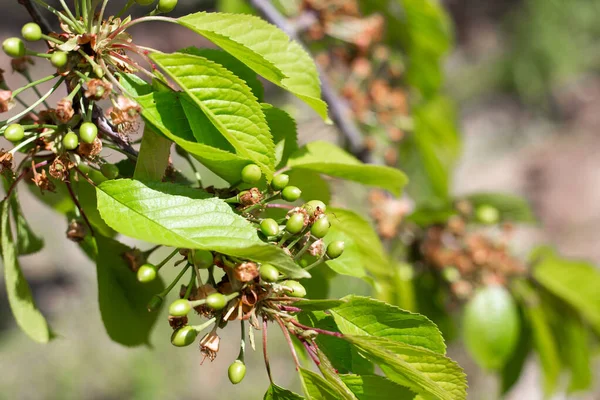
(313, 206)
(201, 258)
(216, 301)
(180, 308)
(251, 173)
(14, 132)
(31, 32)
(144, 2)
(280, 181)
(291, 193)
(268, 273)
(236, 371)
(183, 336)
(88, 132)
(320, 227)
(335, 249)
(294, 288)
(295, 224)
(110, 171)
(269, 227)
(166, 6)
(487, 214)
(59, 59)
(13, 47)
(70, 141)
(146, 273)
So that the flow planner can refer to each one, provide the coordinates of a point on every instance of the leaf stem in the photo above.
(265, 355)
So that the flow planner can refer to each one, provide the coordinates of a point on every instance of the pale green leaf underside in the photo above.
(28, 317)
(138, 211)
(365, 316)
(317, 388)
(326, 158)
(264, 48)
(228, 103)
(431, 375)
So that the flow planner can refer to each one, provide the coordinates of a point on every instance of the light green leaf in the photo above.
(27, 241)
(318, 388)
(431, 375)
(233, 64)
(283, 129)
(121, 297)
(234, 6)
(264, 48)
(164, 112)
(363, 248)
(375, 387)
(153, 158)
(278, 393)
(326, 158)
(28, 317)
(512, 208)
(227, 102)
(202, 128)
(574, 281)
(181, 218)
(369, 317)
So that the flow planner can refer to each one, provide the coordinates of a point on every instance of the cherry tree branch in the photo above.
(338, 108)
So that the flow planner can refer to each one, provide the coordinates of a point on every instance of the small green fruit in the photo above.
(14, 132)
(166, 6)
(294, 288)
(31, 32)
(154, 303)
(14, 47)
(320, 227)
(88, 132)
(59, 59)
(146, 273)
(491, 327)
(313, 206)
(216, 301)
(184, 336)
(269, 273)
(201, 258)
(487, 214)
(269, 227)
(236, 372)
(291, 193)
(251, 173)
(180, 308)
(70, 141)
(295, 224)
(280, 181)
(110, 171)
(335, 249)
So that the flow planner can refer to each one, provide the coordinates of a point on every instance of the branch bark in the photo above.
(340, 113)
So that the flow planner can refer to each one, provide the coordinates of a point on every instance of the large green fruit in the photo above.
(491, 327)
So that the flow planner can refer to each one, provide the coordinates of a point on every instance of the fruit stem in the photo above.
(52, 39)
(125, 8)
(172, 285)
(242, 341)
(200, 328)
(78, 205)
(60, 15)
(316, 263)
(166, 260)
(265, 355)
(188, 290)
(32, 84)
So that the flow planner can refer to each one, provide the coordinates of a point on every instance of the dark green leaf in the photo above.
(332, 376)
(153, 158)
(278, 393)
(318, 388)
(318, 305)
(511, 372)
(375, 387)
(283, 129)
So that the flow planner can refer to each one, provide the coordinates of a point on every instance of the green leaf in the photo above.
(86, 194)
(278, 393)
(429, 153)
(164, 111)
(202, 128)
(264, 48)
(363, 248)
(369, 317)
(326, 158)
(28, 317)
(121, 297)
(318, 305)
(425, 372)
(153, 158)
(179, 217)
(318, 388)
(283, 129)
(544, 341)
(512, 208)
(27, 241)
(234, 6)
(313, 186)
(233, 64)
(576, 282)
(134, 85)
(227, 102)
(332, 376)
(375, 387)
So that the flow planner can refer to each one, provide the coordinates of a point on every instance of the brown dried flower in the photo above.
(64, 110)
(125, 115)
(134, 258)
(246, 271)
(90, 150)
(6, 159)
(42, 181)
(6, 100)
(209, 345)
(250, 197)
(60, 168)
(76, 231)
(97, 89)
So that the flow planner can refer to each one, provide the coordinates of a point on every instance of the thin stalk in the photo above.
(316, 263)
(303, 249)
(166, 260)
(265, 355)
(318, 330)
(34, 105)
(188, 158)
(35, 89)
(188, 290)
(139, 21)
(29, 140)
(242, 353)
(60, 15)
(126, 7)
(165, 292)
(70, 14)
(78, 205)
(101, 15)
(289, 341)
(34, 83)
(200, 328)
(52, 39)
